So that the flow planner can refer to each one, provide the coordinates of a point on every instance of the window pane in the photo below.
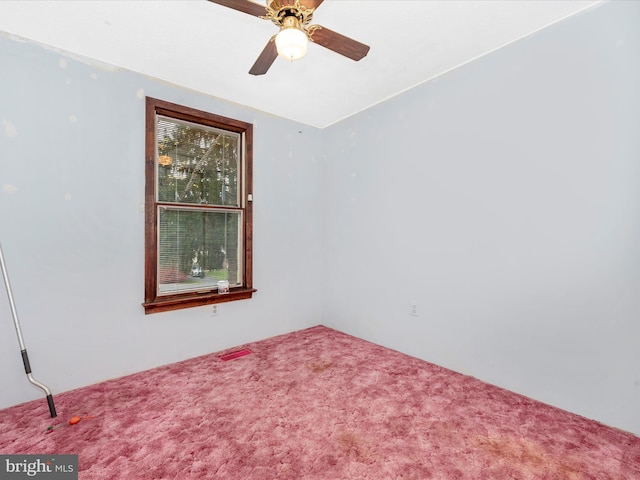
(196, 164)
(196, 249)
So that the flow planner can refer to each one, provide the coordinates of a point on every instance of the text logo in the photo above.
(49, 467)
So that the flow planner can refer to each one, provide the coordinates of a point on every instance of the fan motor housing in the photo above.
(279, 10)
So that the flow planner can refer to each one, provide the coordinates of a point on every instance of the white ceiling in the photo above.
(209, 48)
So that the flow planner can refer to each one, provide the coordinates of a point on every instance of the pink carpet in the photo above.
(315, 404)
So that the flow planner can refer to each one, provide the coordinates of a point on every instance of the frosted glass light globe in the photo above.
(292, 43)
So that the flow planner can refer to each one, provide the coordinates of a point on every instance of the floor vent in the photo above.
(233, 355)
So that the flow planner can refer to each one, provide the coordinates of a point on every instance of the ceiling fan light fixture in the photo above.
(293, 19)
(292, 41)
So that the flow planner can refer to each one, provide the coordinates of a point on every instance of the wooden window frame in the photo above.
(153, 302)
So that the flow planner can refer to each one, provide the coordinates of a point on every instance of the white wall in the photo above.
(503, 198)
(71, 226)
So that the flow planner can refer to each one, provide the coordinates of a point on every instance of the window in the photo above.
(198, 213)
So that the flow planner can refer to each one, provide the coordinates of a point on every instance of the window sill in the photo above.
(177, 302)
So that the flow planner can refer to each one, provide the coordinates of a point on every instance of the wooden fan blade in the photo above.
(339, 43)
(311, 3)
(243, 6)
(266, 58)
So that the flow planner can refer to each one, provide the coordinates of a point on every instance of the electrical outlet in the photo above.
(214, 310)
(413, 309)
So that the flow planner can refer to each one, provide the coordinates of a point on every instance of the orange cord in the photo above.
(72, 421)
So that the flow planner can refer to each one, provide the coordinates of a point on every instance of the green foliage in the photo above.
(199, 164)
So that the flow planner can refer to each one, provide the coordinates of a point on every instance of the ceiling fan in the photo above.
(293, 18)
